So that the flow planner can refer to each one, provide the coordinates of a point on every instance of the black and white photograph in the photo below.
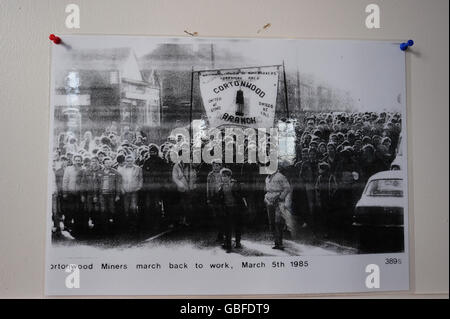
(190, 165)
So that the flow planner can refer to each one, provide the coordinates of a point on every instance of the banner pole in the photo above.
(190, 123)
(299, 90)
(285, 91)
(190, 103)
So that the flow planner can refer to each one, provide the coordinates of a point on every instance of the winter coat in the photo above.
(184, 177)
(59, 174)
(308, 174)
(91, 181)
(110, 182)
(153, 173)
(234, 190)
(326, 187)
(131, 178)
(277, 188)
(213, 183)
(72, 179)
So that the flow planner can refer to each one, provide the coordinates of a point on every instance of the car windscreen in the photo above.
(385, 187)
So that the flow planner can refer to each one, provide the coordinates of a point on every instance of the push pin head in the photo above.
(405, 45)
(55, 39)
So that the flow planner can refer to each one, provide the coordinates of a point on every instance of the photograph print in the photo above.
(239, 149)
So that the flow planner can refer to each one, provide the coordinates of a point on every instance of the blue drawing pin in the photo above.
(405, 45)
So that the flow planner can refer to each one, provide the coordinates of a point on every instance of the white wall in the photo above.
(24, 104)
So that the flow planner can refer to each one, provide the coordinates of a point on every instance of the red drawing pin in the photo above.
(55, 39)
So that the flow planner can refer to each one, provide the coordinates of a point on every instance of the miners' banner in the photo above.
(243, 97)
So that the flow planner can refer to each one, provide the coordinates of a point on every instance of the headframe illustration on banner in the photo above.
(241, 97)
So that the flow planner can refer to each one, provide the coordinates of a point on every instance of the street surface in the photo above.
(199, 242)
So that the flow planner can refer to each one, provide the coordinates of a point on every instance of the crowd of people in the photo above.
(120, 182)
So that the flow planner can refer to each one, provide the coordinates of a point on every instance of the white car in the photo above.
(378, 215)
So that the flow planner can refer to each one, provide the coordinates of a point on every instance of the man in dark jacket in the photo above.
(91, 188)
(326, 187)
(233, 205)
(153, 181)
(308, 175)
(110, 187)
(213, 184)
